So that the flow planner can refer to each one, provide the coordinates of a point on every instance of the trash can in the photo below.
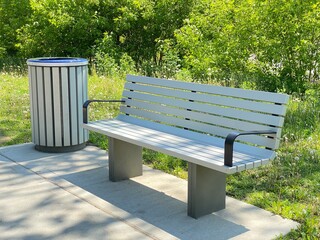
(58, 88)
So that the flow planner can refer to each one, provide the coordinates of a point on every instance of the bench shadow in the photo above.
(158, 207)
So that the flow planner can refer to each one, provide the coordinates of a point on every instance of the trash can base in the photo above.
(63, 149)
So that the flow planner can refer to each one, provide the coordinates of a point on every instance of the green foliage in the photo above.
(207, 41)
(13, 15)
(272, 43)
(110, 60)
(288, 49)
(61, 28)
(262, 44)
(12, 64)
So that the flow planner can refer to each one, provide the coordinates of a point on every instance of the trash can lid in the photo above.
(57, 61)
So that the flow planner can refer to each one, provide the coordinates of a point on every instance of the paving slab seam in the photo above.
(52, 180)
(2, 155)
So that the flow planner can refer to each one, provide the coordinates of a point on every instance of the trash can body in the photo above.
(58, 88)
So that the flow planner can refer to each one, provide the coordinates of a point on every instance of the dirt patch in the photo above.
(4, 139)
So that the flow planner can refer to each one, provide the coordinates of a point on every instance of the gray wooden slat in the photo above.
(31, 102)
(80, 97)
(261, 152)
(34, 109)
(73, 106)
(198, 116)
(49, 106)
(197, 152)
(164, 140)
(116, 132)
(206, 123)
(85, 98)
(65, 106)
(41, 110)
(228, 91)
(57, 106)
(218, 131)
(201, 107)
(218, 100)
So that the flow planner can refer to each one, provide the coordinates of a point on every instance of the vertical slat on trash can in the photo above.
(57, 106)
(33, 100)
(48, 105)
(65, 106)
(73, 106)
(41, 113)
(35, 113)
(79, 92)
(85, 97)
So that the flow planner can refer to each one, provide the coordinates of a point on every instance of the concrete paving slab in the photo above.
(16, 176)
(46, 211)
(69, 196)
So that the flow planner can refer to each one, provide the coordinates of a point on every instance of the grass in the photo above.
(290, 186)
(15, 126)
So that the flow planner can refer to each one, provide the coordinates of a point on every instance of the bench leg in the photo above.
(125, 160)
(206, 190)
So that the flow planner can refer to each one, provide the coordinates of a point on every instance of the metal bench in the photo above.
(217, 130)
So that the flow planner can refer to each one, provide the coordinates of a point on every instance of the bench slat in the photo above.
(228, 91)
(198, 116)
(225, 122)
(213, 118)
(190, 150)
(203, 127)
(211, 99)
(207, 110)
(200, 107)
(259, 152)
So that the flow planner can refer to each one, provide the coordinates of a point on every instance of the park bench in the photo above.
(217, 130)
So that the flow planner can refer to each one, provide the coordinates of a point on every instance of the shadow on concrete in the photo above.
(154, 206)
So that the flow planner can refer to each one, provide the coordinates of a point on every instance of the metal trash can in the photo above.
(58, 88)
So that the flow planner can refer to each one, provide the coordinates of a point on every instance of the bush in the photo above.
(273, 45)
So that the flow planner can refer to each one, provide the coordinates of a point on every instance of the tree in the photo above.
(273, 45)
(13, 15)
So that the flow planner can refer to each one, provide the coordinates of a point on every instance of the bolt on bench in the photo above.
(217, 130)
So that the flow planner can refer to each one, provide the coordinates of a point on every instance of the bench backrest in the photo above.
(206, 109)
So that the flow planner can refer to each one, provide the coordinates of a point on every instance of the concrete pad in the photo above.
(69, 196)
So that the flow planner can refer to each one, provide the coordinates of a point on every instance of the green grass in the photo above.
(15, 126)
(290, 186)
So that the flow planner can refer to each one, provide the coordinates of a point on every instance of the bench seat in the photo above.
(190, 146)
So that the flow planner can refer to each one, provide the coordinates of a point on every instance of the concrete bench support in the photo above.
(125, 160)
(207, 190)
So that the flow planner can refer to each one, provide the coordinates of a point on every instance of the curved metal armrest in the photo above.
(228, 144)
(86, 105)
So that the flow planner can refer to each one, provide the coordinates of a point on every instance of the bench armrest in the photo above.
(86, 105)
(228, 144)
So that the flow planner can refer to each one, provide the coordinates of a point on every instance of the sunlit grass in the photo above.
(289, 186)
(15, 126)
